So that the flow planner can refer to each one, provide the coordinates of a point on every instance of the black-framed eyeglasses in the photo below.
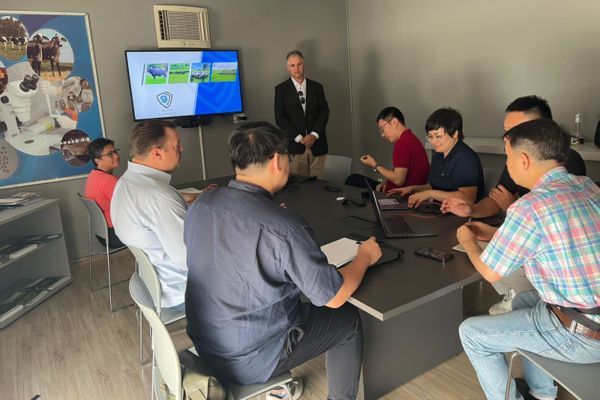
(301, 95)
(110, 154)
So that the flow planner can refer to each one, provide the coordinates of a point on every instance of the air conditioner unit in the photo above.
(179, 26)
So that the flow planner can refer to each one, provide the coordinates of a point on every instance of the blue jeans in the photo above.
(532, 327)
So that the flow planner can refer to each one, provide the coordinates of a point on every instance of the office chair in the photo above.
(578, 379)
(337, 168)
(166, 361)
(150, 279)
(98, 227)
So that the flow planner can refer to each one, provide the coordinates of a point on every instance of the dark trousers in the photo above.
(338, 332)
(113, 240)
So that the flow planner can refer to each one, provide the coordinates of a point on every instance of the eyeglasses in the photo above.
(301, 95)
(382, 127)
(434, 138)
(111, 154)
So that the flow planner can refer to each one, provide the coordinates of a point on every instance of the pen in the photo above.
(361, 241)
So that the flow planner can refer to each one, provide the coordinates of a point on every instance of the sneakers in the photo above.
(291, 391)
(505, 305)
(523, 389)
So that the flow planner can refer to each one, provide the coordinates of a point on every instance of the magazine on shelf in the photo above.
(17, 198)
(13, 250)
(8, 310)
(26, 298)
(47, 283)
(38, 239)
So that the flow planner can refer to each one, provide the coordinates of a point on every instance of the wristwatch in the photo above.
(375, 167)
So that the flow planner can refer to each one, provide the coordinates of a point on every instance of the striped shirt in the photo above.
(554, 232)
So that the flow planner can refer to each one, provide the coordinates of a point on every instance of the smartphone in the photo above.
(434, 254)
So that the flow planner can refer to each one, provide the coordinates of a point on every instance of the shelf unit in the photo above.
(48, 259)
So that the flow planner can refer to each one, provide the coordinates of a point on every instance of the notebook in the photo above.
(342, 251)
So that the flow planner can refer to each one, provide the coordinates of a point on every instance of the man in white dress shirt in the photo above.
(148, 213)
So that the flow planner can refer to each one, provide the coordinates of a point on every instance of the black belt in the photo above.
(574, 323)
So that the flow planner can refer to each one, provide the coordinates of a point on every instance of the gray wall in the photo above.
(263, 31)
(473, 55)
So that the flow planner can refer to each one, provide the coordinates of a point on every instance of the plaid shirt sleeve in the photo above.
(515, 242)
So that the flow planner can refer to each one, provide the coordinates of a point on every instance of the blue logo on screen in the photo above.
(165, 99)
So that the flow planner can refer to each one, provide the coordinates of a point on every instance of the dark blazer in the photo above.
(291, 119)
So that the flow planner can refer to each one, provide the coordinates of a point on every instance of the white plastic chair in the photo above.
(337, 168)
(581, 380)
(150, 278)
(165, 360)
(98, 227)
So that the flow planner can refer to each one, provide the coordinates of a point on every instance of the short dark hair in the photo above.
(294, 53)
(147, 135)
(255, 143)
(447, 118)
(389, 113)
(544, 139)
(531, 105)
(96, 147)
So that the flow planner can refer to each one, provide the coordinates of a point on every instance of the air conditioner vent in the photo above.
(178, 26)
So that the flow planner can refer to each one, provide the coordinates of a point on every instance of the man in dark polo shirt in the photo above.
(521, 110)
(249, 261)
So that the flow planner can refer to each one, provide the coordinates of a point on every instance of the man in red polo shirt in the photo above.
(409, 159)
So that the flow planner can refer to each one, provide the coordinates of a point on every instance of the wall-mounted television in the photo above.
(183, 83)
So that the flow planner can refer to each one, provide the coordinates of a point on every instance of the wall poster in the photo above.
(49, 103)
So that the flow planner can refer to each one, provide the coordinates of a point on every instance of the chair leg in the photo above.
(509, 377)
(90, 260)
(109, 285)
(141, 337)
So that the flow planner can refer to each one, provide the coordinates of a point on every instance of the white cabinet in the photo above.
(21, 286)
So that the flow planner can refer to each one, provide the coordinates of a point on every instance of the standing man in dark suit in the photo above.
(302, 112)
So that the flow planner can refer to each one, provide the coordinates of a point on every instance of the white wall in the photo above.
(476, 56)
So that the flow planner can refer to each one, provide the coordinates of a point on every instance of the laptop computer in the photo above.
(394, 226)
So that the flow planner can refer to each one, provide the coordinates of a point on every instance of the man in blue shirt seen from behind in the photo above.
(250, 260)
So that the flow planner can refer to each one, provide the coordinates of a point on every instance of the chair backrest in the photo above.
(96, 218)
(490, 178)
(581, 380)
(337, 168)
(165, 353)
(148, 275)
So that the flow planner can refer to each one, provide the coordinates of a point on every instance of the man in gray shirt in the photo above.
(249, 261)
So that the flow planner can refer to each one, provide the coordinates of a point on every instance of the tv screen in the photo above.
(183, 83)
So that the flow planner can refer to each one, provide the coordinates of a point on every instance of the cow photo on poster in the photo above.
(49, 103)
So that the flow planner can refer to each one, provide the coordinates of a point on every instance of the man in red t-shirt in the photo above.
(409, 159)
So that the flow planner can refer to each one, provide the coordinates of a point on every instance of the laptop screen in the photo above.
(374, 202)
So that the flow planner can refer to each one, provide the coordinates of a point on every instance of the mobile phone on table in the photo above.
(434, 254)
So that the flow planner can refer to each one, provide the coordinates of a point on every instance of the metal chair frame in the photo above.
(97, 226)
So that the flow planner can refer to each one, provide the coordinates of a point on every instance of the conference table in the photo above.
(410, 307)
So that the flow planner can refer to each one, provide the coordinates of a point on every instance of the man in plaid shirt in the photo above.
(554, 232)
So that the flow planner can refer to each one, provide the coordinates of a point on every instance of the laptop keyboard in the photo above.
(396, 225)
